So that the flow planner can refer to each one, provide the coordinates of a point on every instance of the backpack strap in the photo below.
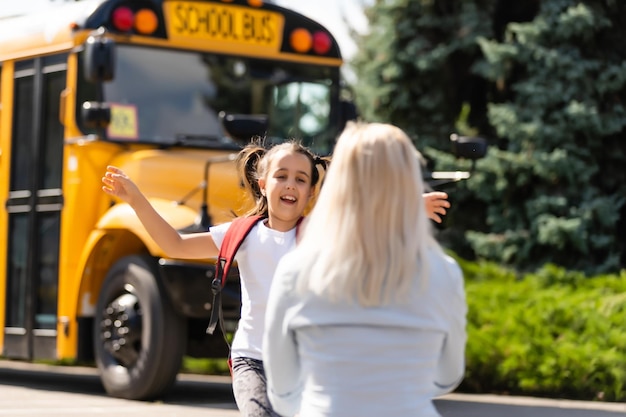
(234, 237)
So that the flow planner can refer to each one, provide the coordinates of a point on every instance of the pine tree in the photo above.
(545, 81)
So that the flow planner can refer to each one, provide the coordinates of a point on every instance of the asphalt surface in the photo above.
(33, 390)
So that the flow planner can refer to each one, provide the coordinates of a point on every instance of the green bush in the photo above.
(205, 366)
(553, 333)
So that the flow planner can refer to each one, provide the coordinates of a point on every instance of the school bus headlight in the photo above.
(122, 19)
(146, 22)
(301, 40)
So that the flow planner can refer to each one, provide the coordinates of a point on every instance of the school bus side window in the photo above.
(35, 198)
(54, 83)
(23, 110)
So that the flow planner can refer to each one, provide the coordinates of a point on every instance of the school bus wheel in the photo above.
(139, 338)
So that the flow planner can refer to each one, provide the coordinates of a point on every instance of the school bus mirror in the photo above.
(242, 127)
(99, 59)
(96, 115)
(348, 111)
(470, 147)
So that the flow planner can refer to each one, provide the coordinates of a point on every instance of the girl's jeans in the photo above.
(250, 388)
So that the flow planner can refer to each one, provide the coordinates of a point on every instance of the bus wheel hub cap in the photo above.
(121, 329)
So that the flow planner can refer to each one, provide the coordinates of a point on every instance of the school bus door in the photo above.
(34, 209)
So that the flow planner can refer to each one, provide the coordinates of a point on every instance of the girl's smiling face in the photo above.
(287, 187)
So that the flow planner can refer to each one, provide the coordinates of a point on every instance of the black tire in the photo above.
(139, 339)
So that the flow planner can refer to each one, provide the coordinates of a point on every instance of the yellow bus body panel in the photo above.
(118, 233)
(6, 114)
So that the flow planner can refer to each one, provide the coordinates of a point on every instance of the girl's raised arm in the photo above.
(436, 205)
(191, 246)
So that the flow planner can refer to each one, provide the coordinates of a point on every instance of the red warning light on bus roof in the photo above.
(321, 43)
(123, 19)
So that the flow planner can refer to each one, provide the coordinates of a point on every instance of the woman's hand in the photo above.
(117, 183)
(437, 205)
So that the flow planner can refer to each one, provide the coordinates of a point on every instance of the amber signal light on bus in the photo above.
(303, 41)
(144, 21)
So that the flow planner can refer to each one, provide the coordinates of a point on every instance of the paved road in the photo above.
(28, 390)
(462, 405)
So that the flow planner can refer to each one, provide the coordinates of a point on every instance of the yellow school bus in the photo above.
(169, 91)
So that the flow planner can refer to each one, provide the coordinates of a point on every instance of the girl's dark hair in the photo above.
(254, 160)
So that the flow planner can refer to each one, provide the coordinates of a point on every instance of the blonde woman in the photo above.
(366, 317)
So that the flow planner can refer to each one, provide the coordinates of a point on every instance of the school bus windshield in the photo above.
(167, 97)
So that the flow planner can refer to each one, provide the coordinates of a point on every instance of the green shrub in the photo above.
(553, 333)
(205, 366)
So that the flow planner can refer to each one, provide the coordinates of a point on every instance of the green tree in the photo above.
(546, 83)
(414, 64)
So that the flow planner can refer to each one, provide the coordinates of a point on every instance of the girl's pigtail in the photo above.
(324, 162)
(248, 161)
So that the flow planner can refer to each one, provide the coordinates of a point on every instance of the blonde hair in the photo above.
(367, 236)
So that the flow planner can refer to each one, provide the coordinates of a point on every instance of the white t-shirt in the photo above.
(257, 259)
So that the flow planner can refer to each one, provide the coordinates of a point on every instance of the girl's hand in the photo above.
(436, 205)
(117, 183)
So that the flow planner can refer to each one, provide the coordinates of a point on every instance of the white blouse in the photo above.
(323, 359)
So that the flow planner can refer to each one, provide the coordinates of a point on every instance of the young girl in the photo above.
(281, 180)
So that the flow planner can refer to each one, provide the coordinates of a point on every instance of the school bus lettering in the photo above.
(225, 24)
